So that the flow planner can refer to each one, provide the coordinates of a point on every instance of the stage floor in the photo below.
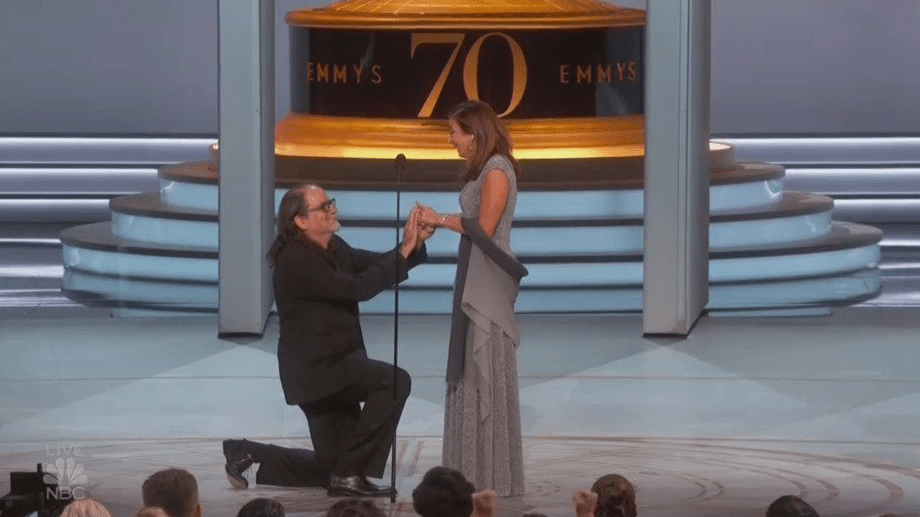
(719, 424)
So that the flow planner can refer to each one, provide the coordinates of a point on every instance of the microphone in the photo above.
(400, 165)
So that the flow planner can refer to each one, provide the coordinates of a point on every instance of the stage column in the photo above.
(247, 154)
(676, 261)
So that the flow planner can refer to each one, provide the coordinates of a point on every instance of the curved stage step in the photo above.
(797, 216)
(93, 250)
(808, 296)
(769, 249)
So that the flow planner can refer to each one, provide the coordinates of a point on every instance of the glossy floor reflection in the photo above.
(718, 424)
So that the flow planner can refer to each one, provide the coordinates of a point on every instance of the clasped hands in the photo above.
(429, 216)
(416, 231)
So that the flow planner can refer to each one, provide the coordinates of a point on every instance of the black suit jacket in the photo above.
(321, 348)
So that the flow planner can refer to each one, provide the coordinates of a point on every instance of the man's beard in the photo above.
(337, 227)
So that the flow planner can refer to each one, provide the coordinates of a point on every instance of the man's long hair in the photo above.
(292, 205)
(490, 134)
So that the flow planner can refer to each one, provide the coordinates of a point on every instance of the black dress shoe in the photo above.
(367, 485)
(238, 461)
(356, 486)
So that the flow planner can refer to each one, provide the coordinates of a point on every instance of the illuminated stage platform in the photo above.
(770, 250)
(717, 425)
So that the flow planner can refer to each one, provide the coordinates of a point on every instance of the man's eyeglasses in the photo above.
(325, 207)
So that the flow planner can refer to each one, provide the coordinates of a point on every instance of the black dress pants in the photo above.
(284, 466)
(353, 440)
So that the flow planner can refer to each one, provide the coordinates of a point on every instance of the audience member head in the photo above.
(151, 511)
(85, 508)
(261, 507)
(354, 507)
(443, 492)
(534, 514)
(790, 506)
(616, 496)
(175, 491)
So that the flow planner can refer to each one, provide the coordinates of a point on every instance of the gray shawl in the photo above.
(485, 290)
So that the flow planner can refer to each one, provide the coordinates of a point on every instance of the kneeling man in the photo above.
(319, 280)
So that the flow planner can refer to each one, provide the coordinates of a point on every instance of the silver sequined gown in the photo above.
(485, 445)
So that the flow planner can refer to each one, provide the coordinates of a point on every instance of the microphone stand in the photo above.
(400, 163)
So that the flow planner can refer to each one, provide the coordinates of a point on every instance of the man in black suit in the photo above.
(319, 280)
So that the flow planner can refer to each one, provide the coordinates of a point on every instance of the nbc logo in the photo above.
(69, 478)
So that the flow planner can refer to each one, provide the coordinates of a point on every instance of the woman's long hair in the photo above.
(292, 205)
(490, 134)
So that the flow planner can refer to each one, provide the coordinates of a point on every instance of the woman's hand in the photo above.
(428, 216)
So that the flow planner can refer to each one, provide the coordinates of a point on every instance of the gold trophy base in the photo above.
(575, 153)
(555, 154)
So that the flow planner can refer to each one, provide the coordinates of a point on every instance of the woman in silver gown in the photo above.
(482, 423)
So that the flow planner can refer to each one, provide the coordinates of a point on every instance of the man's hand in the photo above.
(484, 503)
(585, 502)
(424, 233)
(411, 237)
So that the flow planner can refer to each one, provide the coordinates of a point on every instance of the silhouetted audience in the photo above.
(443, 492)
(616, 496)
(85, 508)
(175, 491)
(790, 506)
(261, 507)
(354, 507)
